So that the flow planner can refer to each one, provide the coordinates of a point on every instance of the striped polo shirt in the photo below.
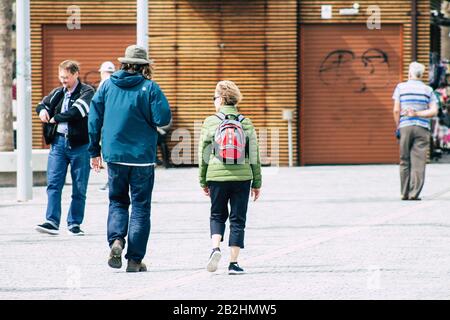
(415, 95)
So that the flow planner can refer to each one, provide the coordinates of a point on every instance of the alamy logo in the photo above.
(74, 20)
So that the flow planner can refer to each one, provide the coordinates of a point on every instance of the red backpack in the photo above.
(229, 139)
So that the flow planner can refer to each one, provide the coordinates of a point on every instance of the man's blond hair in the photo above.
(229, 91)
(70, 65)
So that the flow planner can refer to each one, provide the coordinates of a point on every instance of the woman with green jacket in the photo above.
(228, 182)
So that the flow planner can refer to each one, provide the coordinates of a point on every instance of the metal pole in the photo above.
(291, 152)
(142, 23)
(24, 148)
(288, 115)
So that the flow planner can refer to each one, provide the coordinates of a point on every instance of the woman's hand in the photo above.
(255, 193)
(206, 191)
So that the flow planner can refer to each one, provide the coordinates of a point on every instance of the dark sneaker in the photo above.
(115, 256)
(415, 198)
(47, 228)
(134, 266)
(234, 268)
(76, 231)
(214, 259)
(405, 198)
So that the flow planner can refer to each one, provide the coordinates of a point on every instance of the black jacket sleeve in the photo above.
(50, 102)
(80, 108)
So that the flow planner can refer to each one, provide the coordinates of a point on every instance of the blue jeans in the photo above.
(60, 156)
(124, 181)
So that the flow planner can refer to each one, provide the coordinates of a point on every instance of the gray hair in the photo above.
(416, 70)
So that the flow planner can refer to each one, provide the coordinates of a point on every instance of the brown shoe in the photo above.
(133, 266)
(115, 256)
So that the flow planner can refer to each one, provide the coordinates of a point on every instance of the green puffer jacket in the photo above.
(215, 169)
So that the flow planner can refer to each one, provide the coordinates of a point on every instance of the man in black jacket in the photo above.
(64, 113)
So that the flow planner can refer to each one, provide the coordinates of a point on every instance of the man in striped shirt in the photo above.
(415, 103)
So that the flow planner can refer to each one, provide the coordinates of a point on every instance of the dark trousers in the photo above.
(124, 181)
(237, 194)
(164, 150)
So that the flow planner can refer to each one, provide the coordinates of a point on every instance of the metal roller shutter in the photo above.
(348, 76)
(90, 46)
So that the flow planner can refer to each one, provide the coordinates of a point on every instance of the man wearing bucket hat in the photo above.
(125, 112)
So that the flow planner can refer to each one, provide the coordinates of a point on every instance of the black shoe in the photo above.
(75, 231)
(234, 268)
(115, 256)
(415, 198)
(405, 198)
(47, 228)
(214, 259)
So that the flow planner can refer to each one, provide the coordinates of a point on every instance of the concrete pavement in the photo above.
(325, 232)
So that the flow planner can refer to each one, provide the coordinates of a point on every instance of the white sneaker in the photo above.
(214, 259)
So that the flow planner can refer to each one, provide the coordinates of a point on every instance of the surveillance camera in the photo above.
(356, 5)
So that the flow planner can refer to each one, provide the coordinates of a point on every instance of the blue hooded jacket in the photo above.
(125, 112)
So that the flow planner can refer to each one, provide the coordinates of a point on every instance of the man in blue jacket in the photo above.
(125, 113)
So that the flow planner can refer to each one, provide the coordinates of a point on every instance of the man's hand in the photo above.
(255, 193)
(52, 120)
(43, 115)
(96, 164)
(411, 113)
(206, 191)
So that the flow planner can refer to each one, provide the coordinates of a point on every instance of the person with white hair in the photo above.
(106, 70)
(414, 105)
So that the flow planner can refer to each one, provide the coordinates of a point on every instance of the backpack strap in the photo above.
(221, 116)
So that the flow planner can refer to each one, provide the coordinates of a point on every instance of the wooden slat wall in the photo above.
(392, 11)
(196, 43)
